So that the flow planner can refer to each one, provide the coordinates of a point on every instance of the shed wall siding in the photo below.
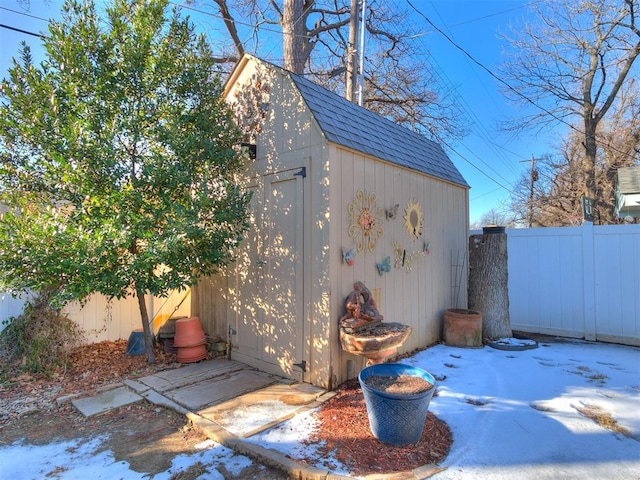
(417, 297)
(289, 138)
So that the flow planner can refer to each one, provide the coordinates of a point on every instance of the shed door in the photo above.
(269, 329)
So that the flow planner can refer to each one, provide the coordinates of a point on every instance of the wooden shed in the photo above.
(332, 180)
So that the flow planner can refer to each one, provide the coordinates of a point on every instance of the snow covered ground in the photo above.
(513, 414)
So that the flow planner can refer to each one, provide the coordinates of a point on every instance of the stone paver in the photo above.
(221, 391)
(209, 392)
(118, 397)
(190, 374)
(254, 412)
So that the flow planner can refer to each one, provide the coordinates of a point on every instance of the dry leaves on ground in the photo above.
(93, 367)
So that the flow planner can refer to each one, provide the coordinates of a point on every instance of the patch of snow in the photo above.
(513, 414)
(514, 342)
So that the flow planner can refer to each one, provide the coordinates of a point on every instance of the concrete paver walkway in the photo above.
(227, 400)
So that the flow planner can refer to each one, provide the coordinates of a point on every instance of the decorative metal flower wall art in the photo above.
(366, 221)
(413, 219)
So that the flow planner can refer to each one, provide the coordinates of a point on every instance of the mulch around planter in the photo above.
(343, 429)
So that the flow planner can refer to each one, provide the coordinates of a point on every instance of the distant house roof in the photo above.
(352, 126)
(629, 180)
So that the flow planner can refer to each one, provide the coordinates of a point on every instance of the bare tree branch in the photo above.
(573, 64)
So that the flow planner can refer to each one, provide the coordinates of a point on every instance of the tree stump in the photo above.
(488, 282)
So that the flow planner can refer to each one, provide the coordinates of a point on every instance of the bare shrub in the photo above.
(41, 338)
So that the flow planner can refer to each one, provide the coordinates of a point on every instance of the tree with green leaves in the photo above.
(118, 158)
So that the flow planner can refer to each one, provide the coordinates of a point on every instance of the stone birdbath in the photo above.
(363, 331)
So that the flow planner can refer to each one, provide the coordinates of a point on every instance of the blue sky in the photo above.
(489, 160)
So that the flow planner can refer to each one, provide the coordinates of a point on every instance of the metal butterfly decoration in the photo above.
(385, 266)
(349, 256)
(393, 212)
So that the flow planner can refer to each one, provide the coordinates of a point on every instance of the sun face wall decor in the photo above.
(366, 221)
(413, 219)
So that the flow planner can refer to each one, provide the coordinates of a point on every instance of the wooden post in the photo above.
(488, 281)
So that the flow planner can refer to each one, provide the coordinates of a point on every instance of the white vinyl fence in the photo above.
(581, 282)
(103, 320)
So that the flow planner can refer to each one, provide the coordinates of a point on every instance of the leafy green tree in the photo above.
(118, 158)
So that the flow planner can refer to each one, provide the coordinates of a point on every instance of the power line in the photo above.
(24, 14)
(19, 30)
(502, 12)
(478, 125)
(476, 167)
(502, 81)
(485, 194)
(487, 69)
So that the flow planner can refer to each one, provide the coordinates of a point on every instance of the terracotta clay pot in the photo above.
(189, 333)
(191, 354)
(462, 328)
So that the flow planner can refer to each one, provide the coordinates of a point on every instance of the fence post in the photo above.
(589, 281)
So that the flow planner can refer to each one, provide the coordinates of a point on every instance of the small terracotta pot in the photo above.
(191, 354)
(189, 333)
(463, 328)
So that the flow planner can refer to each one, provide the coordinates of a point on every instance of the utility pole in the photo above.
(352, 54)
(533, 177)
(363, 28)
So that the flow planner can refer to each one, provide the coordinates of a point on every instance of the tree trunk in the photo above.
(589, 162)
(146, 328)
(293, 36)
(488, 288)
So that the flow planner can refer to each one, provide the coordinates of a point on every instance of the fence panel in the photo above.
(617, 290)
(104, 320)
(580, 282)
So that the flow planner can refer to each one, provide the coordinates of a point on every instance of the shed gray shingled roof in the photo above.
(347, 124)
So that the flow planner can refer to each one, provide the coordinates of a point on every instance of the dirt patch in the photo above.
(144, 435)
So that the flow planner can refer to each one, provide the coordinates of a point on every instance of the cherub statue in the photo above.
(361, 309)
